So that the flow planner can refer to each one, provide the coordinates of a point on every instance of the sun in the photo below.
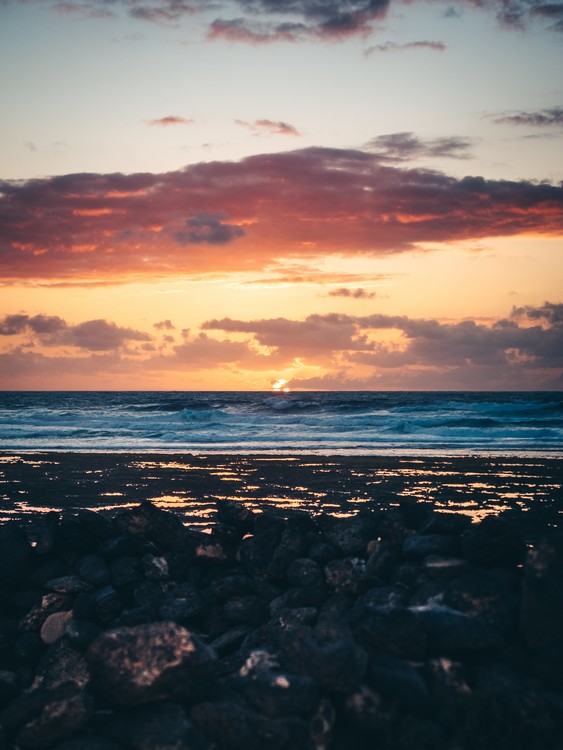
(278, 385)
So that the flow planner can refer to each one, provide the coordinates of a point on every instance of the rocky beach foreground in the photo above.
(401, 628)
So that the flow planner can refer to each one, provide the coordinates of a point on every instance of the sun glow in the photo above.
(278, 385)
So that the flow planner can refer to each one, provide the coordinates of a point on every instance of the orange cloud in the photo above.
(170, 120)
(269, 127)
(310, 202)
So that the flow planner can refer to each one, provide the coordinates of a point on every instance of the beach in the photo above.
(529, 487)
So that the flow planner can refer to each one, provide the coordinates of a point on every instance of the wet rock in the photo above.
(71, 584)
(62, 663)
(321, 724)
(453, 633)
(364, 709)
(155, 567)
(338, 666)
(493, 596)
(383, 558)
(182, 604)
(124, 571)
(422, 545)
(166, 530)
(107, 604)
(305, 572)
(164, 726)
(150, 662)
(247, 609)
(231, 639)
(446, 523)
(397, 681)
(93, 570)
(50, 603)
(280, 694)
(61, 716)
(72, 537)
(232, 726)
(89, 742)
(81, 633)
(346, 575)
(28, 648)
(16, 555)
(494, 541)
(542, 595)
(235, 514)
(54, 626)
(444, 567)
(350, 536)
(8, 687)
(397, 631)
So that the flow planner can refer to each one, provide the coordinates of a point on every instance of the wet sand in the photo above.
(190, 484)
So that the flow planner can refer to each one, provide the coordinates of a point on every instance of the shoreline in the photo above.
(190, 484)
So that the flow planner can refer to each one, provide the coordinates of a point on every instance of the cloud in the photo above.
(170, 120)
(545, 118)
(91, 335)
(267, 21)
(164, 325)
(309, 203)
(393, 47)
(357, 293)
(400, 147)
(208, 228)
(269, 127)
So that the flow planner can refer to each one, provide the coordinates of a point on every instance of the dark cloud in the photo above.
(164, 325)
(394, 47)
(310, 202)
(357, 293)
(551, 117)
(550, 312)
(424, 342)
(208, 228)
(170, 120)
(407, 146)
(92, 335)
(265, 21)
(269, 127)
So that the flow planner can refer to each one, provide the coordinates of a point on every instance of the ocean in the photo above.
(345, 423)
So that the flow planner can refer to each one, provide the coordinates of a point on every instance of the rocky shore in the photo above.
(400, 628)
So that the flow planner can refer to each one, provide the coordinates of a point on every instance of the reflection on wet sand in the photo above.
(336, 484)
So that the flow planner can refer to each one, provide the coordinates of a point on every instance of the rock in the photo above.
(62, 663)
(81, 633)
(72, 584)
(233, 727)
(8, 687)
(444, 567)
(397, 681)
(89, 742)
(54, 626)
(305, 572)
(28, 648)
(493, 541)
(493, 596)
(247, 609)
(338, 666)
(182, 604)
(279, 694)
(150, 662)
(448, 682)
(453, 524)
(107, 604)
(50, 603)
(452, 633)
(422, 545)
(163, 726)
(63, 714)
(16, 555)
(71, 537)
(321, 724)
(364, 709)
(165, 529)
(235, 514)
(93, 570)
(397, 631)
(346, 575)
(155, 567)
(125, 570)
(350, 536)
(542, 595)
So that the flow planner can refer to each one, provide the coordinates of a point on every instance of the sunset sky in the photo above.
(340, 194)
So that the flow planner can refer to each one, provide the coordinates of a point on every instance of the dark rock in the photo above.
(93, 569)
(150, 662)
(364, 709)
(349, 535)
(107, 604)
(84, 607)
(452, 633)
(338, 666)
(446, 523)
(542, 596)
(28, 648)
(444, 567)
(155, 567)
(346, 575)
(16, 555)
(89, 742)
(125, 571)
(123, 545)
(397, 631)
(71, 536)
(279, 694)
(81, 633)
(493, 541)
(231, 639)
(383, 557)
(182, 604)
(148, 521)
(321, 724)
(422, 545)
(448, 683)
(380, 597)
(305, 572)
(322, 552)
(232, 727)
(71, 584)
(493, 596)
(247, 609)
(8, 687)
(397, 681)
(414, 513)
(148, 594)
(234, 513)
(60, 664)
(50, 603)
(163, 726)
(61, 716)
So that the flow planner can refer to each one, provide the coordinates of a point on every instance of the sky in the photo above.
(255, 194)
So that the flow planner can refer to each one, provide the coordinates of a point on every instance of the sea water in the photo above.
(271, 422)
